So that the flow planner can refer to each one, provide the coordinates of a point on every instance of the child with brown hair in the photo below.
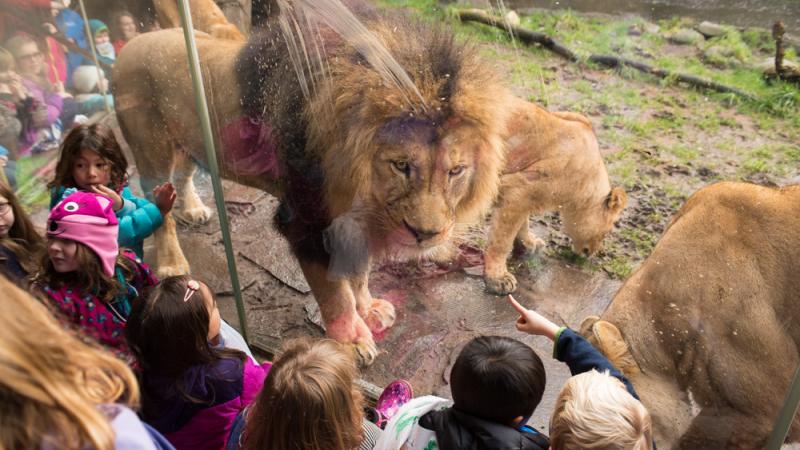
(309, 401)
(59, 392)
(92, 161)
(19, 241)
(85, 276)
(192, 389)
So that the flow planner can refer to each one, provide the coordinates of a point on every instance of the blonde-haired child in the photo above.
(598, 408)
(309, 401)
(59, 392)
(595, 411)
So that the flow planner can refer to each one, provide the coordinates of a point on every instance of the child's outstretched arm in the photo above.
(569, 347)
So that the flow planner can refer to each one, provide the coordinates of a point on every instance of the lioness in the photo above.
(206, 17)
(553, 163)
(405, 171)
(712, 318)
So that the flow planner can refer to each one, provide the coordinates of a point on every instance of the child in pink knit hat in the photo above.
(85, 276)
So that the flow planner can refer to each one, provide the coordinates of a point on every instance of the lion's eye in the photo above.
(456, 171)
(401, 166)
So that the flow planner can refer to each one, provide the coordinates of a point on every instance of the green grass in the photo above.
(641, 127)
(618, 266)
(684, 154)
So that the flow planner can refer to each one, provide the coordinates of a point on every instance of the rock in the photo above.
(768, 65)
(710, 29)
(512, 18)
(651, 28)
(635, 30)
(719, 56)
(685, 36)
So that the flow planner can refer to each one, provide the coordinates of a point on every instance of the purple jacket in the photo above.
(227, 388)
(51, 100)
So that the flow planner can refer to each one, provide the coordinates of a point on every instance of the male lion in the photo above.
(392, 172)
(712, 318)
(553, 163)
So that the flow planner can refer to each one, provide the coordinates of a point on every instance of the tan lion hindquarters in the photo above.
(711, 318)
(553, 163)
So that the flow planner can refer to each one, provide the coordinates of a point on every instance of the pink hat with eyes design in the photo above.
(89, 219)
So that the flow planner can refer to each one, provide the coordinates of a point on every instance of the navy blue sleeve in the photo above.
(581, 356)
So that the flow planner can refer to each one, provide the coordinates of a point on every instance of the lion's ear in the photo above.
(616, 200)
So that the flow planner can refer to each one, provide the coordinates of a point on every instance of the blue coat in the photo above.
(71, 24)
(138, 218)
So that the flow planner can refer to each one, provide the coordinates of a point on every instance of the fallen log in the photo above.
(546, 41)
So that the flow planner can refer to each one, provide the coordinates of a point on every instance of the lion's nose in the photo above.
(419, 233)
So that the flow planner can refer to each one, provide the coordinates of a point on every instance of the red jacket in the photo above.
(12, 10)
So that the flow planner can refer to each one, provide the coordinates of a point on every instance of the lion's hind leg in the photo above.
(529, 241)
(193, 210)
(151, 145)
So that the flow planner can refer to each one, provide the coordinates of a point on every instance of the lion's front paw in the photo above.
(365, 352)
(532, 244)
(502, 285)
(196, 215)
(380, 315)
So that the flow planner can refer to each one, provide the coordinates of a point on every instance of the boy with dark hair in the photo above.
(496, 383)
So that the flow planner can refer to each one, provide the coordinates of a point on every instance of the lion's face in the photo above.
(420, 177)
(588, 226)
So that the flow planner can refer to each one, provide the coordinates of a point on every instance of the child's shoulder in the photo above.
(141, 270)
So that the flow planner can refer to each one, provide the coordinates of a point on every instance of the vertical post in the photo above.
(211, 156)
(786, 415)
(90, 38)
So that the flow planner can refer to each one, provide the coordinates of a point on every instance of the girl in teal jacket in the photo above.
(92, 161)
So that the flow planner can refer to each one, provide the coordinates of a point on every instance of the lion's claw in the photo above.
(502, 285)
(365, 352)
(380, 316)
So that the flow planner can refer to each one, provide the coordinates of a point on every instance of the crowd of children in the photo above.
(95, 352)
(50, 78)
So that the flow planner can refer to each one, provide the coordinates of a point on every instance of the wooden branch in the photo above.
(615, 61)
(546, 41)
(524, 35)
(777, 33)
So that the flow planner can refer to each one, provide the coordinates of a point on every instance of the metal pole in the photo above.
(786, 416)
(90, 38)
(211, 156)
